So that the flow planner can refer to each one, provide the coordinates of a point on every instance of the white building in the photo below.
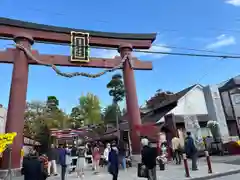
(3, 118)
(195, 104)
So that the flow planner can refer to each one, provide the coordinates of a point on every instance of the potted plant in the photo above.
(215, 130)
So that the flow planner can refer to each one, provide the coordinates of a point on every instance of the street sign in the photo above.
(79, 47)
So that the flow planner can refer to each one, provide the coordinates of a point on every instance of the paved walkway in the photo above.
(235, 159)
(172, 172)
(230, 177)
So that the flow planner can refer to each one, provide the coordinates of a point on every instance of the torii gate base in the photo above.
(17, 102)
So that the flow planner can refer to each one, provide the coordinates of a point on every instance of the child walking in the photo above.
(81, 162)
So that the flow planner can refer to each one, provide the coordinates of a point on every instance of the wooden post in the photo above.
(187, 174)
(133, 112)
(17, 100)
(208, 162)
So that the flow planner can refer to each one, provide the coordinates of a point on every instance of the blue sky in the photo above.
(200, 24)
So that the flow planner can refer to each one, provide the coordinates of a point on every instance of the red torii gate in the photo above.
(26, 33)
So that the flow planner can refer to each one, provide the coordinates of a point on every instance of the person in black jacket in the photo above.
(74, 154)
(113, 162)
(191, 150)
(52, 157)
(32, 167)
(149, 156)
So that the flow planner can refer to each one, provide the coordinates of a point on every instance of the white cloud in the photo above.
(104, 53)
(233, 2)
(221, 41)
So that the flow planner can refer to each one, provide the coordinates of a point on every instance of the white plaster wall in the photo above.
(215, 108)
(193, 103)
(3, 117)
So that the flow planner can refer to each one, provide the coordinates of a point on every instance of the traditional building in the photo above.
(172, 111)
(181, 107)
(230, 98)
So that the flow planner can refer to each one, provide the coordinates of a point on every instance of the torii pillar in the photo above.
(18, 93)
(133, 113)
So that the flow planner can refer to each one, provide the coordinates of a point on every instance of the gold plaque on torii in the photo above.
(79, 47)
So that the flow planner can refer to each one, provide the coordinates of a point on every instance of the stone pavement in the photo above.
(172, 172)
(234, 159)
(232, 177)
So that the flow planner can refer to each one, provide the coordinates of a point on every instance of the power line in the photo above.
(189, 54)
(179, 53)
(194, 49)
(142, 51)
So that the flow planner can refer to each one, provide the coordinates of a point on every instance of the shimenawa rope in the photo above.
(70, 75)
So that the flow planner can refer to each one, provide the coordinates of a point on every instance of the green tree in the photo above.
(52, 103)
(35, 111)
(116, 88)
(77, 119)
(39, 120)
(110, 113)
(117, 91)
(89, 110)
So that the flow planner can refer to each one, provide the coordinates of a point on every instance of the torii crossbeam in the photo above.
(26, 33)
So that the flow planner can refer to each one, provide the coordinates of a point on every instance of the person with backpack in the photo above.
(191, 150)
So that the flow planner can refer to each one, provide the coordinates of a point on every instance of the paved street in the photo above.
(224, 159)
(230, 177)
(172, 172)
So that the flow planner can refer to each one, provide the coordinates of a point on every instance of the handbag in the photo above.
(142, 171)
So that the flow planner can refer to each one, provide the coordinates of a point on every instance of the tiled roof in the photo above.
(161, 109)
(231, 83)
(171, 99)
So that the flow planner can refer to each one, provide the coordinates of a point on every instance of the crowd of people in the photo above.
(115, 155)
(150, 155)
(74, 159)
